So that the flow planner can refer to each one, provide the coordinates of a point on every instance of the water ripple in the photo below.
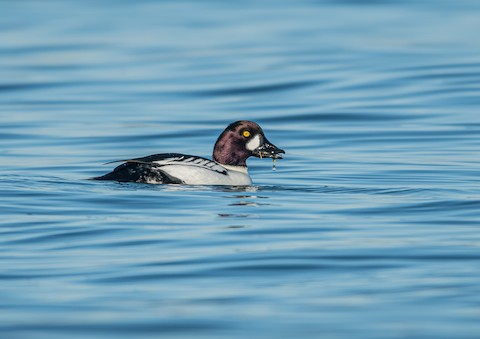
(257, 89)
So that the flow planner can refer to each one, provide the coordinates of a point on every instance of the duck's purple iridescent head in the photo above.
(243, 139)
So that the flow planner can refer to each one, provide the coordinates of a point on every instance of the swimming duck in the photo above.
(234, 146)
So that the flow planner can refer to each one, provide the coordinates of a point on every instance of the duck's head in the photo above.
(243, 139)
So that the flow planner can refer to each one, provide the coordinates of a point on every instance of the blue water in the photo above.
(369, 228)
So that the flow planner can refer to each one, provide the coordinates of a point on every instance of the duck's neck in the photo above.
(229, 158)
(226, 152)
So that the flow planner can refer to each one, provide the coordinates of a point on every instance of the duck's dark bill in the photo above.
(268, 150)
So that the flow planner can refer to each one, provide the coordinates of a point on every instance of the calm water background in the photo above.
(370, 227)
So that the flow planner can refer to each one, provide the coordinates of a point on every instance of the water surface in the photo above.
(370, 226)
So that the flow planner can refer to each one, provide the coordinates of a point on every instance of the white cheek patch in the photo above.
(254, 143)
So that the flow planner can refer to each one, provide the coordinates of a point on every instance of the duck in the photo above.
(239, 141)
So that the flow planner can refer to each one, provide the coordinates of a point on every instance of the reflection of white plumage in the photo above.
(239, 141)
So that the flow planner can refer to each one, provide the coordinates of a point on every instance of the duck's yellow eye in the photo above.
(246, 134)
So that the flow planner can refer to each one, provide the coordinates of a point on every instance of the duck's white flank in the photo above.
(199, 175)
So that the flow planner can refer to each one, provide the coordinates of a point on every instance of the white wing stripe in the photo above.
(192, 161)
